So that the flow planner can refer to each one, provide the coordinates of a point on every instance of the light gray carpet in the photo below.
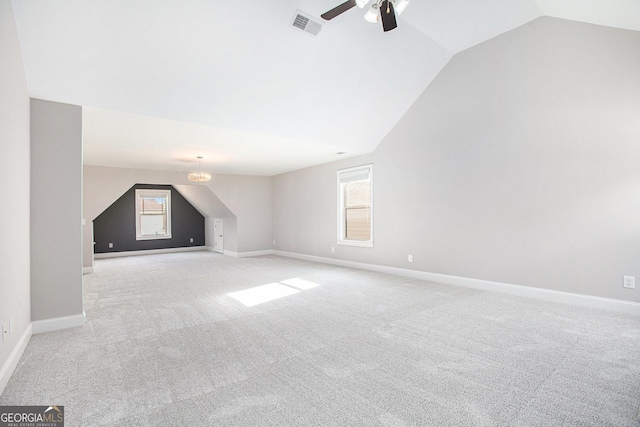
(165, 345)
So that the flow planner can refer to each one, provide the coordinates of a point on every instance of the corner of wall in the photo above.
(15, 161)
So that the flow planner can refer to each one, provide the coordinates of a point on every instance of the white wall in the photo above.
(14, 188)
(519, 164)
(249, 198)
(211, 207)
(56, 210)
(230, 233)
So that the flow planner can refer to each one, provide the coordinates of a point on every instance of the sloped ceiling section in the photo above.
(237, 85)
(524, 171)
(203, 199)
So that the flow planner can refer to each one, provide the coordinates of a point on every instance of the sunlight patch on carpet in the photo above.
(272, 291)
(262, 294)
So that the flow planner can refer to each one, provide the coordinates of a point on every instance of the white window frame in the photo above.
(341, 211)
(141, 192)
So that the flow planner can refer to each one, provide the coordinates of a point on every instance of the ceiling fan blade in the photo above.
(388, 16)
(338, 10)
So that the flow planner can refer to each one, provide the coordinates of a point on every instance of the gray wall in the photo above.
(103, 186)
(212, 208)
(249, 198)
(243, 202)
(117, 224)
(14, 185)
(518, 164)
(56, 210)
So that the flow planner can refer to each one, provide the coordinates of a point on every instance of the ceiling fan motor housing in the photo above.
(387, 15)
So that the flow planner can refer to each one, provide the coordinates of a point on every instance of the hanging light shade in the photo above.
(372, 14)
(199, 176)
(400, 6)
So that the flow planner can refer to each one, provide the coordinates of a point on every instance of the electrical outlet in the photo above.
(190, 239)
(110, 245)
(333, 249)
(2, 332)
(10, 324)
(410, 258)
(629, 282)
(274, 243)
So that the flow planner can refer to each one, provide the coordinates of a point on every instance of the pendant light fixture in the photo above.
(199, 176)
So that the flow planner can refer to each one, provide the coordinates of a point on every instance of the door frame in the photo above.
(220, 223)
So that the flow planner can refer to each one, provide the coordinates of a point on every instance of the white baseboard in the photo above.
(149, 252)
(248, 254)
(14, 357)
(211, 249)
(170, 250)
(58, 323)
(619, 306)
(87, 270)
(255, 253)
(35, 327)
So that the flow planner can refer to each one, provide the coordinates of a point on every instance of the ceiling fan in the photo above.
(381, 10)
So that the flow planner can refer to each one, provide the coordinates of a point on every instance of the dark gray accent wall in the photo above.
(117, 224)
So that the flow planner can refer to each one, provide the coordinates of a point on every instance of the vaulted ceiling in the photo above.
(164, 81)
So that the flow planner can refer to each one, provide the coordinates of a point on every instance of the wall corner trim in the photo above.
(620, 306)
(58, 323)
(14, 357)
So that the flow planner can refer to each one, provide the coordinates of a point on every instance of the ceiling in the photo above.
(163, 81)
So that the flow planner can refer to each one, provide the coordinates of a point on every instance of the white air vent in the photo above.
(304, 22)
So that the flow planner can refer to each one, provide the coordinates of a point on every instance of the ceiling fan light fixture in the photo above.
(372, 14)
(381, 11)
(400, 6)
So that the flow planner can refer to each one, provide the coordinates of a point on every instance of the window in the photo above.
(355, 206)
(153, 214)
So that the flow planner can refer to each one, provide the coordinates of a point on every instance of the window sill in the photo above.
(153, 237)
(357, 243)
